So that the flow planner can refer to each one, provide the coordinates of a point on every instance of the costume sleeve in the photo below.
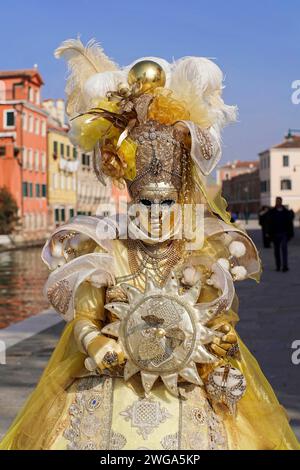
(80, 263)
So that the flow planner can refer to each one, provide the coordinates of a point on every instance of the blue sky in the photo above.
(256, 44)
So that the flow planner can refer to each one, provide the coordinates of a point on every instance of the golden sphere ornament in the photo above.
(146, 75)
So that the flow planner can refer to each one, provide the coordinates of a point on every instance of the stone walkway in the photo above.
(270, 322)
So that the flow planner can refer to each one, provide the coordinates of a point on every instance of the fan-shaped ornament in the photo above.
(163, 333)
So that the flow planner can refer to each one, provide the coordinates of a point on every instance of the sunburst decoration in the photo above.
(163, 333)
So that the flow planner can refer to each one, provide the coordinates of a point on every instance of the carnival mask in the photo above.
(154, 214)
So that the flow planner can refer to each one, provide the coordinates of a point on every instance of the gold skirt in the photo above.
(105, 413)
(97, 412)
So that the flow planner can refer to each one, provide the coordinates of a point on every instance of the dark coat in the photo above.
(280, 222)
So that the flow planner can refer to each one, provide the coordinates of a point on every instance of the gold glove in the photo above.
(105, 352)
(227, 343)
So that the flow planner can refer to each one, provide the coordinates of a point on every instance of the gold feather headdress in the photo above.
(105, 103)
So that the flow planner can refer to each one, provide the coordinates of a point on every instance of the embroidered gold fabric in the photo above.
(60, 295)
(107, 414)
(90, 415)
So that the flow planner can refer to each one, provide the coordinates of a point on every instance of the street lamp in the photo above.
(291, 132)
(246, 190)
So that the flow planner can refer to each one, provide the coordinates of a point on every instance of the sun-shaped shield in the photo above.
(163, 332)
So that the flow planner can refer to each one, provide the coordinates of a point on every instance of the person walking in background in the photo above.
(263, 222)
(280, 229)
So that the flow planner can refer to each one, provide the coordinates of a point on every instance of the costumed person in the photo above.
(149, 358)
(280, 228)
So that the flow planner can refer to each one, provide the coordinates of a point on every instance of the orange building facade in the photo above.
(23, 148)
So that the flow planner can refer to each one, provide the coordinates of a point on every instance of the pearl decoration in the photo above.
(237, 249)
(239, 273)
(224, 263)
(190, 276)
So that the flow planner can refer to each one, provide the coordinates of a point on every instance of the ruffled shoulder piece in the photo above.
(240, 255)
(76, 252)
(77, 237)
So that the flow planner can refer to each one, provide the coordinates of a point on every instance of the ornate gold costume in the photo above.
(149, 358)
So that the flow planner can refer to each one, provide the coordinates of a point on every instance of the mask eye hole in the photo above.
(167, 202)
(145, 202)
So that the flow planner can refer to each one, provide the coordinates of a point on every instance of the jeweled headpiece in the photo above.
(158, 157)
(146, 119)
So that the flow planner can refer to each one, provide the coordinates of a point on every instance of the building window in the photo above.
(75, 153)
(30, 192)
(25, 189)
(37, 127)
(55, 149)
(71, 213)
(85, 160)
(44, 190)
(55, 181)
(26, 221)
(62, 181)
(263, 186)
(24, 122)
(44, 161)
(286, 185)
(36, 161)
(32, 225)
(37, 190)
(56, 216)
(2, 151)
(25, 162)
(30, 123)
(38, 220)
(9, 118)
(30, 94)
(59, 215)
(68, 150)
(2, 91)
(62, 150)
(30, 159)
(44, 128)
(285, 160)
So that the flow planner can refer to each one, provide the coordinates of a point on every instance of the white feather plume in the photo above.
(100, 83)
(198, 82)
(83, 62)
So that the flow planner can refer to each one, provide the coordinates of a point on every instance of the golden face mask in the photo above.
(154, 215)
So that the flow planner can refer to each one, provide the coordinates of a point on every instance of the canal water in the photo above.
(22, 277)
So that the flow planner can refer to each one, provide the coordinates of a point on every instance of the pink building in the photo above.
(23, 148)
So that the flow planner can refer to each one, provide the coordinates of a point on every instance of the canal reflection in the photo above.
(22, 277)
